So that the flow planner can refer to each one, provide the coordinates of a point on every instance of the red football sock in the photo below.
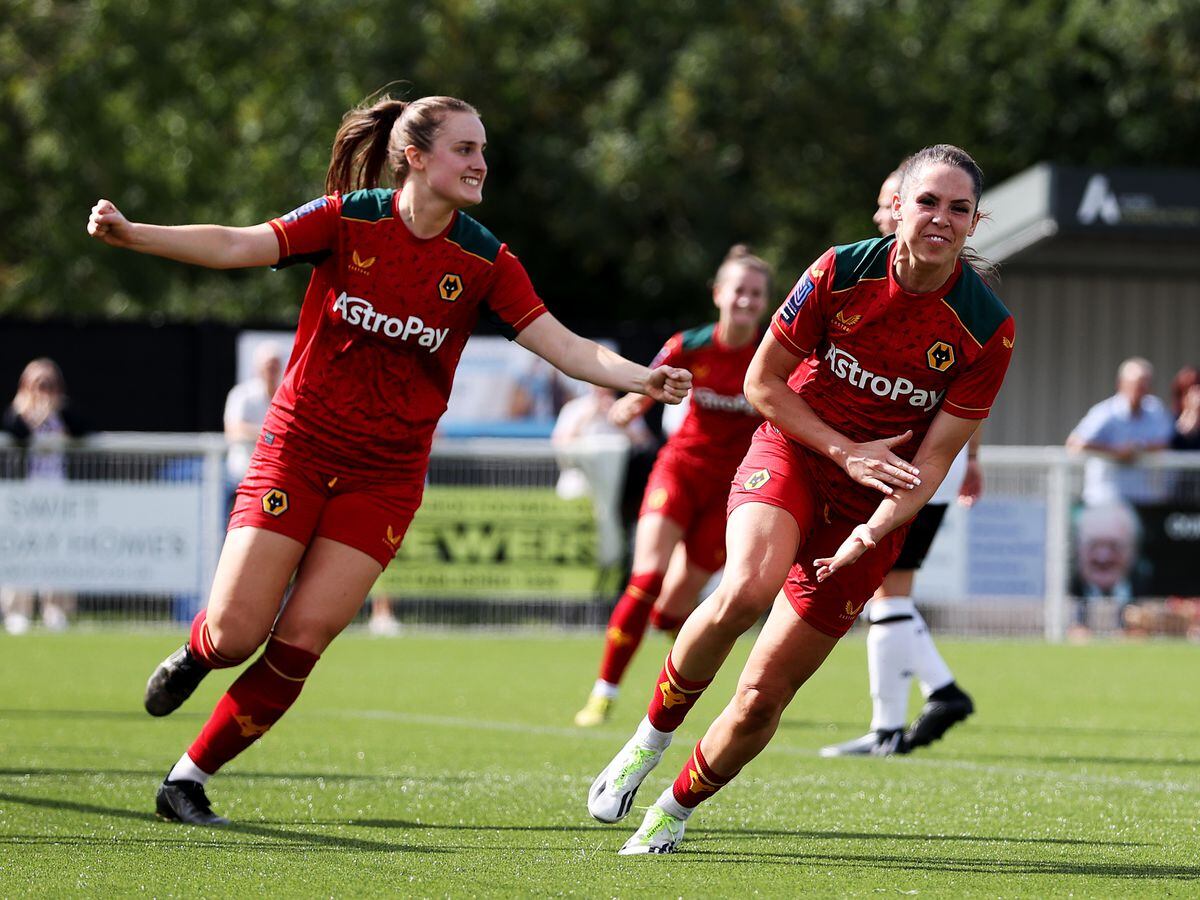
(673, 697)
(697, 781)
(252, 704)
(202, 648)
(627, 624)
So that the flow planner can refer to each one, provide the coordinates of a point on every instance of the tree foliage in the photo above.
(630, 143)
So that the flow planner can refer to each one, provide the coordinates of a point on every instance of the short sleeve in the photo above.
(309, 232)
(670, 353)
(1093, 426)
(971, 395)
(799, 323)
(511, 301)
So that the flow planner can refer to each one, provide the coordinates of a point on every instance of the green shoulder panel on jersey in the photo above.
(864, 261)
(700, 337)
(368, 206)
(976, 306)
(473, 238)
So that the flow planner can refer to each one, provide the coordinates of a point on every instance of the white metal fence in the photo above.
(129, 526)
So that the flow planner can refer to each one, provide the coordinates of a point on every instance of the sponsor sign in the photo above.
(496, 544)
(80, 536)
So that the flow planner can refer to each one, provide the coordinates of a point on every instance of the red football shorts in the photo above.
(293, 497)
(774, 472)
(693, 498)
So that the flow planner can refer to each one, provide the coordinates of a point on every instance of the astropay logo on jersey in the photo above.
(847, 368)
(360, 312)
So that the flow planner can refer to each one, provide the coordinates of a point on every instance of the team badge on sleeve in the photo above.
(757, 480)
(301, 211)
(796, 299)
(940, 356)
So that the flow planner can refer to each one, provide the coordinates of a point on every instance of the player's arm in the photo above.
(946, 436)
(872, 463)
(629, 407)
(214, 246)
(971, 488)
(584, 359)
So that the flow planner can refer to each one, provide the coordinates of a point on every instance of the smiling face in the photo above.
(453, 169)
(937, 213)
(740, 293)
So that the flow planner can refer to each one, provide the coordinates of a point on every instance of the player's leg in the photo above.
(761, 541)
(252, 575)
(702, 553)
(655, 539)
(890, 653)
(785, 655)
(275, 515)
(681, 590)
(330, 588)
(251, 578)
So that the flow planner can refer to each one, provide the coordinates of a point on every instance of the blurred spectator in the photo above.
(40, 409)
(1117, 431)
(583, 418)
(246, 408)
(1185, 403)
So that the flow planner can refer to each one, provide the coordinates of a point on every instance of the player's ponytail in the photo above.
(375, 134)
(742, 255)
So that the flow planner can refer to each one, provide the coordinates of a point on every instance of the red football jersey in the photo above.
(382, 327)
(720, 420)
(879, 360)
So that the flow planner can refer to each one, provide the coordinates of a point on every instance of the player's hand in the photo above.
(625, 410)
(667, 384)
(859, 542)
(107, 224)
(971, 488)
(876, 466)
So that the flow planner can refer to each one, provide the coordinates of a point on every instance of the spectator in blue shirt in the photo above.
(1117, 432)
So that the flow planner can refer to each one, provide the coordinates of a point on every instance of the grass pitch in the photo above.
(446, 765)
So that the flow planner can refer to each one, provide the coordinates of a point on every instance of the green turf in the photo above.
(445, 765)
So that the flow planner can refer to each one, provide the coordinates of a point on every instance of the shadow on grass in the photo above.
(957, 865)
(301, 840)
(138, 713)
(741, 832)
(156, 775)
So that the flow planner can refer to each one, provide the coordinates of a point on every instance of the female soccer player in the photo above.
(876, 370)
(685, 497)
(899, 644)
(400, 279)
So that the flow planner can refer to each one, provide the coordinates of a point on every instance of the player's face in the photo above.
(937, 215)
(883, 218)
(741, 295)
(454, 167)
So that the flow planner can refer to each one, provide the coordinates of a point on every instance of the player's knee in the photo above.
(757, 707)
(741, 601)
(234, 639)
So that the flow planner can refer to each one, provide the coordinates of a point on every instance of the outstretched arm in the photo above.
(872, 463)
(581, 358)
(947, 435)
(214, 246)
